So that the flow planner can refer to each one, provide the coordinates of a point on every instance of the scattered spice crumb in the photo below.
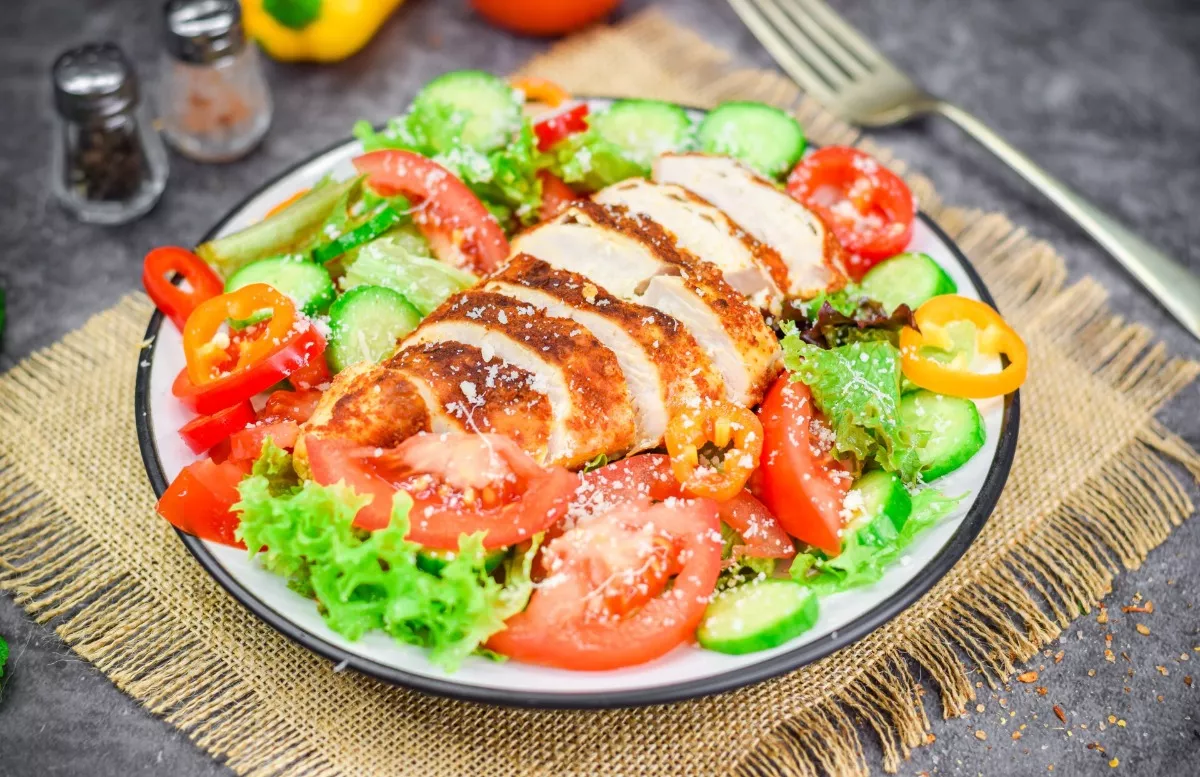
(1102, 618)
(1003, 702)
(1050, 767)
(1096, 746)
(1114, 763)
(1147, 608)
(930, 739)
(1109, 657)
(1160, 699)
(1112, 718)
(1028, 677)
(979, 708)
(1162, 670)
(1091, 673)
(1126, 689)
(981, 736)
(1184, 657)
(1187, 680)
(1108, 640)
(1059, 712)
(1041, 691)
(1121, 723)
(1125, 656)
(1142, 629)
(1058, 657)
(1016, 735)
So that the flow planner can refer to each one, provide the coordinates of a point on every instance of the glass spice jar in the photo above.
(214, 100)
(109, 166)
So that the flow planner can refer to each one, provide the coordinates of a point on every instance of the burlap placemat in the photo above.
(1090, 492)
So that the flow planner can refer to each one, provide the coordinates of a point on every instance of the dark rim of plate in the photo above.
(972, 524)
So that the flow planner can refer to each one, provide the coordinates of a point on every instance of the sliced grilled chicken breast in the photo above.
(662, 363)
(369, 405)
(477, 395)
(636, 261)
(747, 265)
(591, 409)
(809, 249)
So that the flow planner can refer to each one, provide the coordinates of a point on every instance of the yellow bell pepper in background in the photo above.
(314, 30)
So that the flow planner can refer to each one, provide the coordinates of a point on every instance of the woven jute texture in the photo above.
(1092, 491)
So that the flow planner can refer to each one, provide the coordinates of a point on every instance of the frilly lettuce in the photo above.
(364, 581)
(590, 162)
(857, 388)
(863, 558)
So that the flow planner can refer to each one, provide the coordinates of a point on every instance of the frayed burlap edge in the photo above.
(987, 619)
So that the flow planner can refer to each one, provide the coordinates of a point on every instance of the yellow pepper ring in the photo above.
(993, 337)
(540, 90)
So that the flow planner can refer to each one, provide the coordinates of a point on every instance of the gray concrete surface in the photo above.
(1105, 94)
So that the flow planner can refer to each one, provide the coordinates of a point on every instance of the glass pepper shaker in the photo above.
(214, 100)
(109, 165)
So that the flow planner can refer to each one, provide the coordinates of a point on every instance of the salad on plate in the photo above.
(577, 387)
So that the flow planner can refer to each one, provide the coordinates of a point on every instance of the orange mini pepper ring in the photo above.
(729, 427)
(207, 351)
(541, 90)
(993, 337)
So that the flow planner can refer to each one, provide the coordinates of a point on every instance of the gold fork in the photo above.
(840, 68)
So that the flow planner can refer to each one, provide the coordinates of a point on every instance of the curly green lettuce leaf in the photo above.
(274, 465)
(857, 388)
(504, 179)
(589, 162)
(365, 581)
(864, 558)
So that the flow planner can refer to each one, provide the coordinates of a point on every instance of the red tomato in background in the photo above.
(544, 17)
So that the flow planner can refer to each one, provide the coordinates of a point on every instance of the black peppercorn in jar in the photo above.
(109, 165)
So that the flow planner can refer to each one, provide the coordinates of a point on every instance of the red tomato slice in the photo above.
(199, 501)
(458, 226)
(459, 483)
(605, 604)
(203, 432)
(247, 444)
(314, 375)
(869, 208)
(801, 484)
(242, 384)
(649, 476)
(556, 195)
(295, 406)
(561, 124)
(178, 302)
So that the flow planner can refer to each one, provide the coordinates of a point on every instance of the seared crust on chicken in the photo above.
(477, 395)
(590, 403)
(662, 363)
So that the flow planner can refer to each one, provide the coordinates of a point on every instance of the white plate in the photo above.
(684, 673)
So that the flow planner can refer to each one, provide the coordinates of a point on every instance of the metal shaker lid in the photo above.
(203, 31)
(93, 80)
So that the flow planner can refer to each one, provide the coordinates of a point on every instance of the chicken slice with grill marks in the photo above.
(591, 409)
(813, 256)
(370, 405)
(662, 363)
(636, 261)
(478, 395)
(747, 265)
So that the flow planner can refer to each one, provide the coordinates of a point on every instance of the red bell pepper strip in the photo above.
(203, 432)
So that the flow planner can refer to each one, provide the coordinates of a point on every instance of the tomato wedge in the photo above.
(606, 603)
(802, 485)
(203, 432)
(556, 195)
(557, 126)
(314, 375)
(199, 500)
(869, 208)
(178, 302)
(302, 343)
(459, 228)
(649, 476)
(297, 406)
(460, 484)
(247, 444)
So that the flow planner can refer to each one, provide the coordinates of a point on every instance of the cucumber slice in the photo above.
(908, 279)
(433, 560)
(883, 504)
(307, 284)
(643, 129)
(762, 136)
(955, 430)
(365, 324)
(488, 109)
(757, 616)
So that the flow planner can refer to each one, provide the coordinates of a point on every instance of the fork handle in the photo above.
(1176, 287)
